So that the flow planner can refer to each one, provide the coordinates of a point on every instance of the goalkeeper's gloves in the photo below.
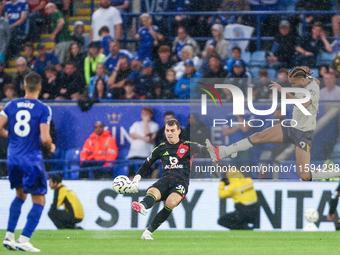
(135, 184)
(225, 180)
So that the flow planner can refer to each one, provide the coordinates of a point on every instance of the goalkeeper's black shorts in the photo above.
(168, 185)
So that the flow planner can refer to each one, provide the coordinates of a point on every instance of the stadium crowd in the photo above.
(161, 68)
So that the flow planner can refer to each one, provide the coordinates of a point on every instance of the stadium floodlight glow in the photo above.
(238, 100)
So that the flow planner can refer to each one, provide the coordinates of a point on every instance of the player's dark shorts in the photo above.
(168, 185)
(30, 175)
(301, 139)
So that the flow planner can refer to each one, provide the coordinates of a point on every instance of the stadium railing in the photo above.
(258, 14)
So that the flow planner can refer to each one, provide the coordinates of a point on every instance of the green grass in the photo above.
(183, 242)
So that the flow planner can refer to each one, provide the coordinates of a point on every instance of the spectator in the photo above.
(196, 131)
(336, 26)
(9, 92)
(170, 83)
(61, 33)
(187, 53)
(72, 212)
(183, 87)
(108, 16)
(121, 5)
(310, 45)
(160, 135)
(5, 36)
(106, 38)
(283, 50)
(143, 134)
(51, 83)
(164, 62)
(119, 76)
(282, 74)
(129, 87)
(4, 79)
(100, 74)
(146, 80)
(45, 59)
(93, 58)
(18, 79)
(323, 69)
(182, 40)
(235, 54)
(331, 91)
(335, 65)
(72, 83)
(78, 36)
(100, 146)
(234, 6)
(156, 92)
(36, 18)
(101, 91)
(149, 36)
(187, 21)
(218, 44)
(115, 53)
(314, 5)
(74, 55)
(16, 12)
(262, 89)
(29, 54)
(238, 77)
(247, 210)
(215, 69)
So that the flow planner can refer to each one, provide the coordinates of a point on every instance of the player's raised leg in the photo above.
(153, 195)
(14, 213)
(270, 135)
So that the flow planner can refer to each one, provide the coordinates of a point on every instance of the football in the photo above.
(120, 184)
(311, 215)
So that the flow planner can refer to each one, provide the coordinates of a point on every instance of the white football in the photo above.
(120, 184)
(311, 215)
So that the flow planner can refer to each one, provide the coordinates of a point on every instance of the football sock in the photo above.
(148, 201)
(242, 145)
(160, 218)
(324, 174)
(32, 220)
(14, 213)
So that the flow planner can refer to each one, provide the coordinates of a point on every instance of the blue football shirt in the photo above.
(105, 44)
(24, 119)
(39, 66)
(146, 37)
(14, 12)
(111, 62)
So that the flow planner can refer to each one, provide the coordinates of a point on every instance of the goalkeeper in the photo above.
(241, 189)
(173, 186)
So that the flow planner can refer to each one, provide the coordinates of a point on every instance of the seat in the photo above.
(254, 71)
(258, 58)
(272, 73)
(72, 155)
(58, 156)
(326, 58)
(246, 55)
(315, 73)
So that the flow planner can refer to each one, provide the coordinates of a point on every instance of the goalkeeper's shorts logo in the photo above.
(180, 189)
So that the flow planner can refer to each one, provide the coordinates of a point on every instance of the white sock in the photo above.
(324, 174)
(23, 239)
(242, 145)
(10, 235)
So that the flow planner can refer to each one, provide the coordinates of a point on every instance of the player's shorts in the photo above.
(30, 175)
(168, 185)
(301, 139)
(143, 53)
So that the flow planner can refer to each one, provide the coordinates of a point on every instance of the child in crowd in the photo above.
(169, 84)
(129, 87)
(78, 35)
(9, 92)
(104, 32)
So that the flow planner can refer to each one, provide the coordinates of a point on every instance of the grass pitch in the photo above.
(182, 242)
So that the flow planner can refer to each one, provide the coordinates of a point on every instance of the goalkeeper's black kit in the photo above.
(334, 203)
(176, 164)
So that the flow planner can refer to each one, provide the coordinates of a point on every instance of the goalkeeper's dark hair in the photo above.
(32, 81)
(173, 122)
(55, 178)
(299, 72)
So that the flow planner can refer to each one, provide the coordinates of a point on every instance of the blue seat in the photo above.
(72, 154)
(315, 73)
(58, 154)
(258, 58)
(254, 71)
(246, 55)
(326, 58)
(87, 41)
(336, 152)
(272, 73)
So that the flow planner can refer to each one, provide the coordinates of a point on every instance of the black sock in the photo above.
(160, 218)
(148, 201)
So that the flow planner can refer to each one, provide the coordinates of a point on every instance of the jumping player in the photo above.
(173, 186)
(300, 135)
(28, 121)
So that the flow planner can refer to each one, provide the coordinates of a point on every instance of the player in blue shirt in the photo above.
(28, 126)
(149, 36)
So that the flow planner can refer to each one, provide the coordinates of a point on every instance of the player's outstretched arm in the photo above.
(3, 122)
(46, 138)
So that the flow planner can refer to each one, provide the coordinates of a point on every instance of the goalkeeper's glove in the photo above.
(225, 180)
(135, 184)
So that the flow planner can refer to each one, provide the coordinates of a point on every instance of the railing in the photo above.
(258, 15)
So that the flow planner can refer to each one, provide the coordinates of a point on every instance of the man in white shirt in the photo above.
(331, 91)
(108, 16)
(143, 134)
